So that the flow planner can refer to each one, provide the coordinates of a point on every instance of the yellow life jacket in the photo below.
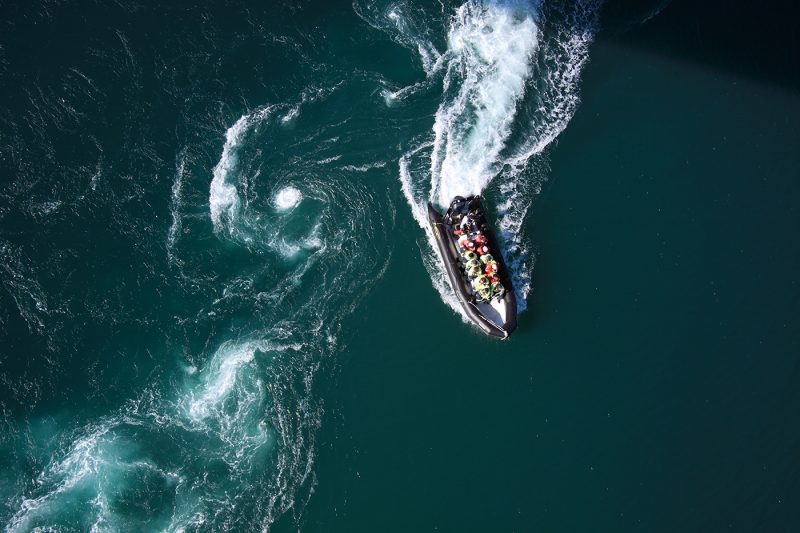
(480, 281)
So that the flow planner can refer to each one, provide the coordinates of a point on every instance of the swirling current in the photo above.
(194, 203)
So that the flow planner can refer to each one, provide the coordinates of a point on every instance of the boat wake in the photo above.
(509, 79)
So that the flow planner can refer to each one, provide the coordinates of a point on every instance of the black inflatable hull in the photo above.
(448, 249)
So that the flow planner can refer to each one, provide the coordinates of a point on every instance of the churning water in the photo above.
(196, 204)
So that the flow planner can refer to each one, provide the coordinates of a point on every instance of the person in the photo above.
(498, 289)
(492, 269)
(486, 257)
(462, 241)
(480, 281)
(473, 268)
(480, 238)
(485, 293)
(468, 255)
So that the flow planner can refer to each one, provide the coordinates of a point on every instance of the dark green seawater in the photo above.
(220, 308)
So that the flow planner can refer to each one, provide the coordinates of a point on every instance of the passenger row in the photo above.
(477, 261)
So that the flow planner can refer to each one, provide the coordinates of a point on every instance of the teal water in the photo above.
(220, 310)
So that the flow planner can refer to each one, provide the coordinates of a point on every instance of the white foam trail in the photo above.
(177, 201)
(430, 256)
(222, 195)
(364, 168)
(560, 94)
(223, 198)
(491, 47)
(406, 25)
(508, 91)
(309, 95)
(412, 36)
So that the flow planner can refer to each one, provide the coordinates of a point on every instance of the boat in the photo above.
(465, 219)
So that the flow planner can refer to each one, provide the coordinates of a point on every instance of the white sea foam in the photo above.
(94, 469)
(491, 47)
(328, 160)
(292, 114)
(176, 204)
(287, 198)
(220, 377)
(223, 197)
(406, 25)
(364, 168)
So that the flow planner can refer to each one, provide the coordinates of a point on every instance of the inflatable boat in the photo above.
(475, 266)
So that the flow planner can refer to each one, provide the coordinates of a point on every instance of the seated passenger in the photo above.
(480, 281)
(473, 263)
(486, 258)
(498, 289)
(491, 268)
(485, 293)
